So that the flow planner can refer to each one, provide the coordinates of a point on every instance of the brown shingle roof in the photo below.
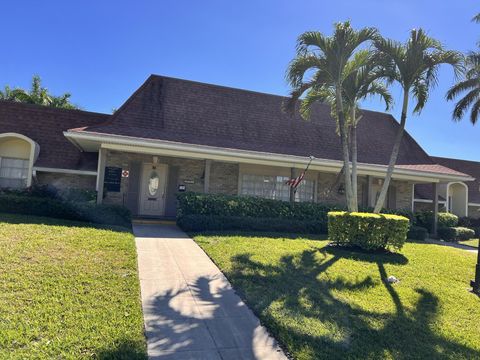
(196, 113)
(471, 168)
(45, 126)
(433, 168)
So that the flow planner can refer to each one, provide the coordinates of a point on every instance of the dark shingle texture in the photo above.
(196, 113)
(45, 126)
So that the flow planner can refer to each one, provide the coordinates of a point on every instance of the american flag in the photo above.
(293, 183)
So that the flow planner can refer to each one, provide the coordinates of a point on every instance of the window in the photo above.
(13, 172)
(274, 187)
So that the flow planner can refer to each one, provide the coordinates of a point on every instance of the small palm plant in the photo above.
(321, 64)
(414, 66)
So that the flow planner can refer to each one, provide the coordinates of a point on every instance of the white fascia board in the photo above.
(428, 201)
(64, 171)
(473, 204)
(130, 144)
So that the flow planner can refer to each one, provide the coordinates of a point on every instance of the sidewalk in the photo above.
(190, 309)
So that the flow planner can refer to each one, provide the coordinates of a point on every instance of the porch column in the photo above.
(206, 180)
(369, 190)
(102, 157)
(435, 209)
(292, 192)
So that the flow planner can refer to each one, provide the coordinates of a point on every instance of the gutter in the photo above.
(127, 143)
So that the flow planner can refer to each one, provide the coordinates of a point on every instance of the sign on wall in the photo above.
(113, 178)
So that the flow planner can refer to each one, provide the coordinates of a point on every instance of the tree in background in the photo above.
(469, 85)
(37, 95)
(414, 66)
(321, 65)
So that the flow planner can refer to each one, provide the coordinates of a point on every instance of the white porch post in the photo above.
(102, 157)
(435, 209)
(206, 180)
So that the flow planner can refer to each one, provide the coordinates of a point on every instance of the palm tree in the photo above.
(37, 95)
(328, 57)
(471, 85)
(414, 66)
(362, 82)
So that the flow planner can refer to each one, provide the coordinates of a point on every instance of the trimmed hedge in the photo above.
(247, 223)
(417, 233)
(366, 230)
(425, 219)
(69, 210)
(455, 233)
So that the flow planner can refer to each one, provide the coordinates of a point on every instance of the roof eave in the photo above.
(133, 144)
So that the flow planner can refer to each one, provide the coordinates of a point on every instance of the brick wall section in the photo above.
(404, 194)
(66, 181)
(224, 178)
(189, 171)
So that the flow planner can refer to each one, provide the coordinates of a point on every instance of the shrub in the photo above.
(69, 210)
(366, 230)
(425, 219)
(190, 203)
(455, 233)
(417, 233)
(469, 222)
(220, 223)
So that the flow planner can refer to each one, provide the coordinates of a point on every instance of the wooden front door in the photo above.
(152, 190)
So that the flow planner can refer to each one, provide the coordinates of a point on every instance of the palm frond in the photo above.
(463, 104)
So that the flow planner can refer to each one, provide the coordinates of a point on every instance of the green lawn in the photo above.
(322, 302)
(472, 242)
(68, 291)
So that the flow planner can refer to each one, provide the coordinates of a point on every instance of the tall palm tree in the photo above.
(37, 95)
(362, 82)
(469, 85)
(327, 57)
(414, 66)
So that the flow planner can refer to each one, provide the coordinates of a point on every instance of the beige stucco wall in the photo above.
(14, 148)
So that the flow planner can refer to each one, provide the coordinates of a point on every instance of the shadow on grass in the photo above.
(124, 350)
(43, 220)
(294, 288)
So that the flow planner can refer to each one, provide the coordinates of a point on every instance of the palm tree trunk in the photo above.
(393, 156)
(354, 162)
(346, 153)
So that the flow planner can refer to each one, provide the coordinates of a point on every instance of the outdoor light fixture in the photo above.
(341, 189)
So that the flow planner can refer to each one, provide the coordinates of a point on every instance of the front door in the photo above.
(152, 190)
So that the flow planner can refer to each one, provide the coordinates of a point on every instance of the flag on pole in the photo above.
(293, 183)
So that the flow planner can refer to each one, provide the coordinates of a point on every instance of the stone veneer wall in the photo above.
(404, 194)
(188, 171)
(66, 181)
(224, 178)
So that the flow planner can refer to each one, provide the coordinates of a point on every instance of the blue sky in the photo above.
(101, 51)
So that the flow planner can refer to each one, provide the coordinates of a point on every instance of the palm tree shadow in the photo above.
(296, 283)
(200, 320)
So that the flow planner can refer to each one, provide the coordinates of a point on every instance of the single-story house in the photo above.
(176, 135)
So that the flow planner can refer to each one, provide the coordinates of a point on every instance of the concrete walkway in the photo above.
(190, 309)
(452, 244)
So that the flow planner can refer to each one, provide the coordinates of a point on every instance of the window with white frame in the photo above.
(13, 172)
(275, 187)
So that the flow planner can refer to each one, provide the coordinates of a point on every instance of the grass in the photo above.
(472, 242)
(68, 290)
(324, 302)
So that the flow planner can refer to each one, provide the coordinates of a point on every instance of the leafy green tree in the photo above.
(37, 95)
(321, 64)
(414, 66)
